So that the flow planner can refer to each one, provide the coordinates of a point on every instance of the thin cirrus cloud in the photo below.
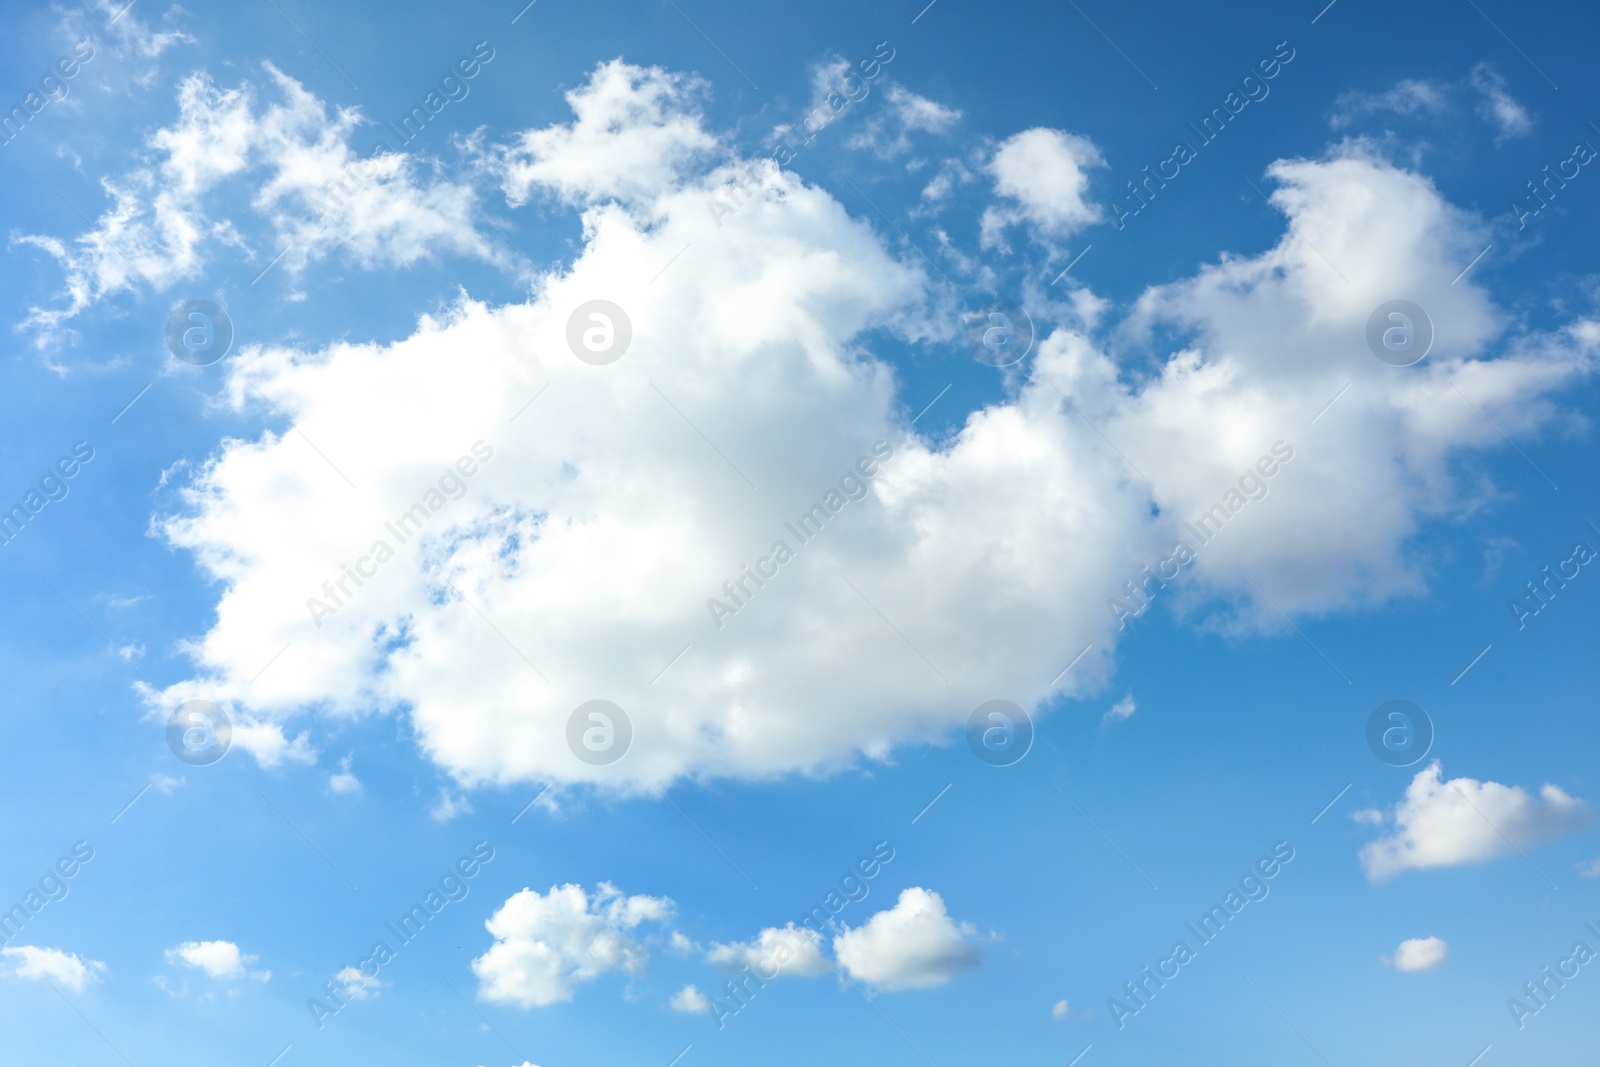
(594, 545)
(1446, 823)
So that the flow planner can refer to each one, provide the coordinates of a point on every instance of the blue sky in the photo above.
(785, 219)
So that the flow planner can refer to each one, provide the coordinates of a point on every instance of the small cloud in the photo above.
(1122, 709)
(219, 959)
(54, 965)
(449, 807)
(356, 985)
(1043, 175)
(791, 950)
(1589, 869)
(1061, 1010)
(682, 944)
(165, 783)
(1368, 817)
(344, 781)
(913, 945)
(1409, 97)
(690, 1001)
(1498, 107)
(1419, 954)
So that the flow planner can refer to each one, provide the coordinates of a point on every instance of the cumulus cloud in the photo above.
(53, 965)
(1420, 954)
(1060, 1010)
(1445, 823)
(592, 534)
(1497, 106)
(912, 945)
(1044, 173)
(690, 1001)
(790, 950)
(219, 959)
(545, 945)
(292, 161)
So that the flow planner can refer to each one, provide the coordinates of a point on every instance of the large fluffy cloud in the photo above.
(606, 506)
(547, 944)
(1445, 823)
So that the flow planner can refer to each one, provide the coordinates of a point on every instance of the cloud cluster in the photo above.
(1446, 823)
(579, 563)
(545, 945)
(292, 161)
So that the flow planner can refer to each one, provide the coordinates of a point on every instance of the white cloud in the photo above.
(449, 806)
(1462, 820)
(790, 950)
(219, 959)
(269, 745)
(1122, 709)
(903, 113)
(1589, 869)
(637, 130)
(690, 1001)
(546, 945)
(53, 965)
(345, 780)
(357, 985)
(578, 557)
(1408, 97)
(912, 945)
(1498, 107)
(292, 161)
(1060, 1010)
(1045, 174)
(1420, 954)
